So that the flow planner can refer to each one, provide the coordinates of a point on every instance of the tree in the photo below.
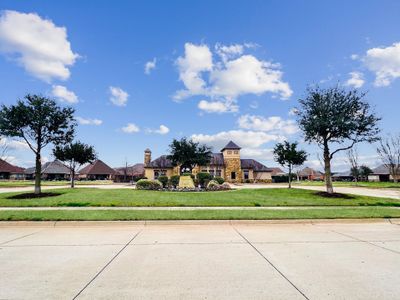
(75, 155)
(336, 117)
(39, 121)
(286, 154)
(352, 157)
(389, 152)
(364, 172)
(187, 154)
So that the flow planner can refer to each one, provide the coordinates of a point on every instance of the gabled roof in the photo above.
(256, 166)
(51, 167)
(381, 170)
(217, 159)
(161, 162)
(135, 170)
(6, 167)
(309, 171)
(97, 168)
(276, 170)
(231, 146)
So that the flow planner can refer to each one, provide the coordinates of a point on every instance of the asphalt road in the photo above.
(200, 260)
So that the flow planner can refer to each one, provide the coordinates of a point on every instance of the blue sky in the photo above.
(216, 70)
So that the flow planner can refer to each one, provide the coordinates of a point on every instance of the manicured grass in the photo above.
(23, 183)
(113, 215)
(374, 185)
(245, 197)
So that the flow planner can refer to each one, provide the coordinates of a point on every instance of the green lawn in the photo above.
(245, 197)
(111, 215)
(23, 183)
(375, 185)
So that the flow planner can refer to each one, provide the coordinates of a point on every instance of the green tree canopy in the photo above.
(187, 154)
(39, 121)
(336, 119)
(75, 155)
(287, 155)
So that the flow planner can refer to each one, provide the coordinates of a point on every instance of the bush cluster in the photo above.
(163, 180)
(147, 184)
(174, 180)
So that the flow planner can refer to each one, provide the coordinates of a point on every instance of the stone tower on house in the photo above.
(233, 169)
(147, 157)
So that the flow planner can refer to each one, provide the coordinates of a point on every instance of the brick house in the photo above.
(98, 170)
(226, 164)
(9, 171)
(52, 170)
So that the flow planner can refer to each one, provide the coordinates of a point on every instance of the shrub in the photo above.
(202, 177)
(163, 180)
(146, 184)
(174, 180)
(213, 185)
(220, 180)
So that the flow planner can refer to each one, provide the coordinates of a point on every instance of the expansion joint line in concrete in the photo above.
(269, 262)
(364, 241)
(18, 238)
(102, 269)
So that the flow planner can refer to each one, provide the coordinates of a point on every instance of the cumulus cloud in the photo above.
(225, 79)
(356, 79)
(161, 130)
(217, 106)
(273, 124)
(244, 138)
(118, 96)
(130, 128)
(63, 94)
(37, 44)
(149, 66)
(384, 62)
(13, 144)
(87, 121)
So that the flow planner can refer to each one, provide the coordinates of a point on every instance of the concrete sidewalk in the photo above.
(200, 260)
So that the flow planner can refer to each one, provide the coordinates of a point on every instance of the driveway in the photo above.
(384, 193)
(200, 260)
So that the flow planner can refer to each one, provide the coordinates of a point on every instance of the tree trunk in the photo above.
(328, 173)
(38, 174)
(290, 177)
(72, 178)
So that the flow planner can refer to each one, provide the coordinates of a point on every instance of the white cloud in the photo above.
(118, 96)
(292, 111)
(13, 144)
(62, 93)
(257, 153)
(354, 56)
(37, 44)
(233, 75)
(149, 66)
(217, 106)
(245, 139)
(273, 124)
(356, 79)
(161, 130)
(130, 128)
(86, 121)
(385, 63)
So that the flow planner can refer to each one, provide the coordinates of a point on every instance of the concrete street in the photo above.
(200, 260)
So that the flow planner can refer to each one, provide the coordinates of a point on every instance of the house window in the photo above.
(236, 152)
(218, 173)
(158, 173)
(212, 173)
(229, 152)
(246, 174)
(233, 175)
(204, 171)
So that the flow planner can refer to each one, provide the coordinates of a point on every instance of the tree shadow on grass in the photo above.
(334, 195)
(32, 195)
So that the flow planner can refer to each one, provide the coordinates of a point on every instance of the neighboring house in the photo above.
(342, 176)
(277, 172)
(128, 174)
(9, 171)
(52, 170)
(98, 170)
(381, 173)
(226, 164)
(310, 174)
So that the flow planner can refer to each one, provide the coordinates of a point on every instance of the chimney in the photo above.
(147, 157)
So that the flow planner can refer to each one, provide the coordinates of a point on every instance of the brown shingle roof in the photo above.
(135, 170)
(231, 145)
(253, 164)
(6, 167)
(97, 168)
